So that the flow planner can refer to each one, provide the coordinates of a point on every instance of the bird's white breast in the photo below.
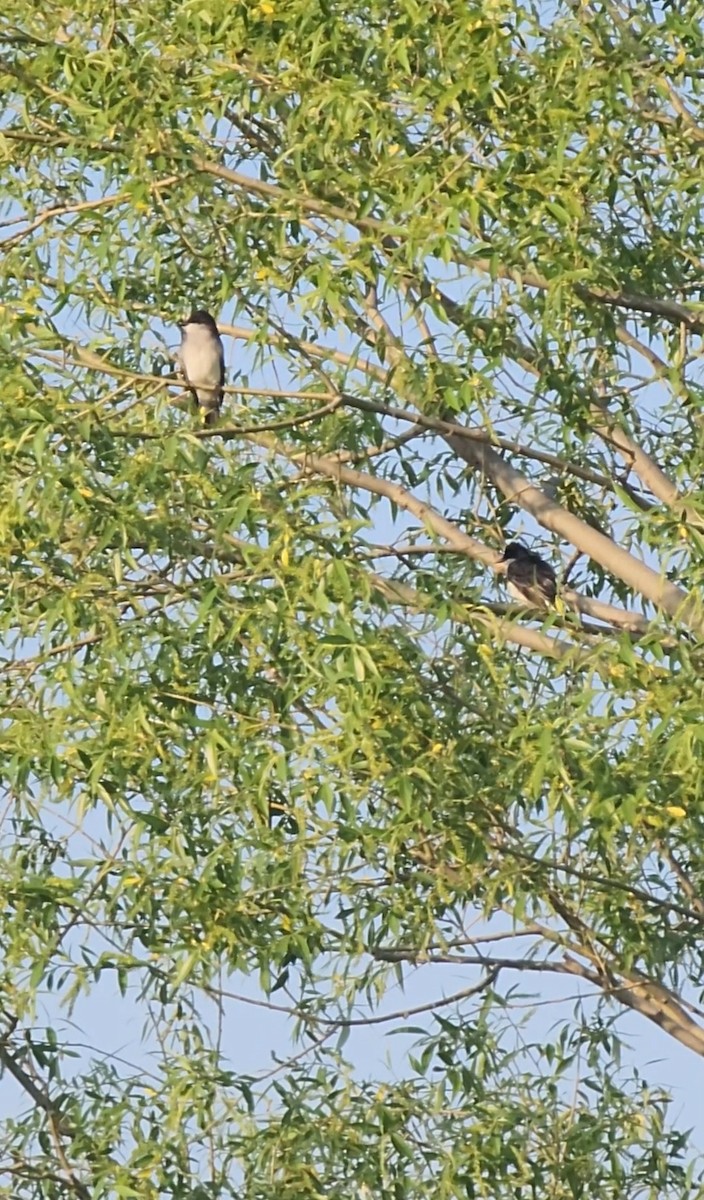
(200, 357)
(515, 592)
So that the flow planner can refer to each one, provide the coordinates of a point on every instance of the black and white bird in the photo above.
(528, 577)
(203, 363)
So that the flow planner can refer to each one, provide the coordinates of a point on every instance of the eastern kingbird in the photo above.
(203, 363)
(528, 577)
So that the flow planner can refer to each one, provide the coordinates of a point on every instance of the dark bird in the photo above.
(528, 577)
(203, 363)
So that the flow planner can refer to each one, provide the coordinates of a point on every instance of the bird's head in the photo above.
(513, 551)
(199, 316)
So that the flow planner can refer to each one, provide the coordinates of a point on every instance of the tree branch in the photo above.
(669, 310)
(517, 490)
(63, 210)
(559, 520)
(509, 631)
(644, 996)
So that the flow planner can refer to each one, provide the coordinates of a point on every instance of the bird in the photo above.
(528, 577)
(203, 362)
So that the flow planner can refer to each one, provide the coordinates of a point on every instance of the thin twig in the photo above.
(431, 1006)
(62, 210)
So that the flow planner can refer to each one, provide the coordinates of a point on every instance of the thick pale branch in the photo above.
(634, 623)
(430, 518)
(651, 1000)
(425, 513)
(601, 611)
(641, 464)
(518, 490)
(398, 592)
(475, 434)
(550, 515)
(397, 413)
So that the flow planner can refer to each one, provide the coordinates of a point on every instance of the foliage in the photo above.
(264, 712)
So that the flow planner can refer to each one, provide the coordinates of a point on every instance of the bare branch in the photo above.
(559, 520)
(645, 996)
(642, 465)
(404, 1013)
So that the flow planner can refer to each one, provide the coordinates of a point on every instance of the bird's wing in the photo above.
(547, 581)
(534, 580)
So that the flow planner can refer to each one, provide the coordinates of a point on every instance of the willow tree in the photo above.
(265, 708)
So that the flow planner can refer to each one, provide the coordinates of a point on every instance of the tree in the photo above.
(265, 709)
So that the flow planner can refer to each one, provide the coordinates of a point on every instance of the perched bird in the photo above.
(203, 362)
(528, 577)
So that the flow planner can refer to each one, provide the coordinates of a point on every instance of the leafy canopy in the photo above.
(268, 727)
